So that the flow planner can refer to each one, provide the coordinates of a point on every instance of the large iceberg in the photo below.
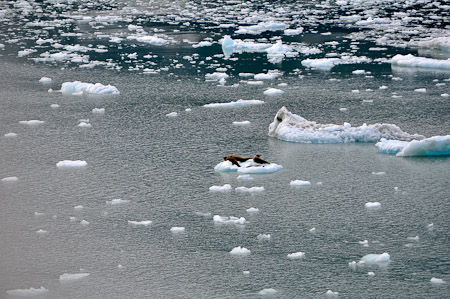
(291, 127)
(433, 146)
(78, 87)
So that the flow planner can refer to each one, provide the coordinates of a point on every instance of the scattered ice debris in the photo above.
(416, 238)
(150, 39)
(419, 62)
(252, 210)
(241, 123)
(291, 127)
(144, 222)
(45, 80)
(320, 63)
(118, 201)
(249, 190)
(238, 103)
(273, 92)
(229, 220)
(31, 292)
(330, 293)
(10, 135)
(33, 122)
(364, 243)
(177, 229)
(72, 219)
(84, 223)
(98, 110)
(240, 251)
(433, 146)
(10, 179)
(41, 232)
(420, 90)
(202, 44)
(371, 273)
(435, 280)
(78, 208)
(70, 163)
(224, 188)
(297, 183)
(268, 292)
(245, 177)
(296, 255)
(262, 237)
(78, 88)
(172, 114)
(373, 205)
(360, 72)
(376, 258)
(70, 277)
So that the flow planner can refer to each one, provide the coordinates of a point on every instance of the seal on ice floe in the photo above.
(234, 159)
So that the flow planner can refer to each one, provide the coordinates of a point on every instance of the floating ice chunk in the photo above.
(172, 114)
(224, 188)
(255, 82)
(252, 210)
(296, 255)
(10, 179)
(78, 208)
(430, 226)
(248, 167)
(241, 123)
(149, 39)
(229, 220)
(260, 28)
(262, 237)
(364, 243)
(371, 273)
(246, 272)
(268, 292)
(342, 109)
(435, 280)
(376, 258)
(419, 62)
(73, 219)
(445, 95)
(249, 190)
(291, 127)
(33, 122)
(31, 292)
(37, 214)
(54, 106)
(300, 183)
(84, 223)
(70, 277)
(77, 87)
(292, 32)
(45, 80)
(41, 232)
(240, 251)
(118, 201)
(144, 222)
(238, 103)
(330, 293)
(69, 164)
(84, 125)
(268, 76)
(177, 229)
(216, 76)
(383, 87)
(98, 110)
(321, 63)
(373, 205)
(244, 177)
(416, 238)
(433, 146)
(312, 230)
(421, 90)
(359, 72)
(10, 135)
(379, 173)
(202, 44)
(273, 92)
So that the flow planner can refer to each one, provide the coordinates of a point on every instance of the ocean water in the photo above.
(164, 165)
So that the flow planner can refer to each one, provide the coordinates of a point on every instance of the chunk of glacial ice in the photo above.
(31, 292)
(238, 103)
(435, 280)
(240, 251)
(273, 92)
(177, 229)
(296, 183)
(376, 258)
(10, 179)
(229, 220)
(433, 146)
(373, 205)
(144, 222)
(33, 122)
(224, 188)
(118, 201)
(296, 255)
(45, 80)
(77, 87)
(268, 292)
(249, 190)
(71, 277)
(70, 163)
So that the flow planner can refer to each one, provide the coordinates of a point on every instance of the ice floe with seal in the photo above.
(433, 146)
(79, 88)
(248, 167)
(288, 126)
(31, 292)
(238, 103)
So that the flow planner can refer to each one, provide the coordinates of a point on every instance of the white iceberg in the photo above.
(291, 127)
(229, 220)
(31, 292)
(240, 251)
(300, 183)
(435, 280)
(70, 277)
(224, 188)
(376, 258)
(238, 103)
(78, 87)
(149, 39)
(10, 135)
(252, 210)
(241, 123)
(433, 146)
(69, 164)
(420, 62)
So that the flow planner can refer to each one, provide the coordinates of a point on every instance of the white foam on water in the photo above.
(70, 163)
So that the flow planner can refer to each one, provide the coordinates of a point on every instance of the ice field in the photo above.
(115, 117)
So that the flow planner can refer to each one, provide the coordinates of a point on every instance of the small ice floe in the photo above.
(360, 72)
(342, 109)
(240, 251)
(241, 123)
(45, 80)
(203, 214)
(246, 272)
(248, 167)
(83, 124)
(80, 88)
(117, 201)
(188, 109)
(143, 223)
(376, 258)
(421, 90)
(98, 110)
(331, 294)
(298, 183)
(319, 183)
(119, 266)
(416, 238)
(244, 177)
(249, 190)
(33, 122)
(10, 135)
(172, 114)
(371, 273)
(445, 95)
(37, 214)
(177, 229)
(41, 232)
(238, 103)
(273, 92)
(31, 292)
(379, 173)
(10, 179)
(255, 83)
(355, 90)
(435, 280)
(364, 243)
(84, 222)
(430, 226)
(312, 230)
(373, 205)
(252, 210)
(216, 76)
(72, 219)
(433, 146)
(54, 106)
(263, 237)
(229, 220)
(78, 208)
(268, 292)
(71, 277)
(296, 255)
(419, 62)
(70, 163)
(224, 188)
